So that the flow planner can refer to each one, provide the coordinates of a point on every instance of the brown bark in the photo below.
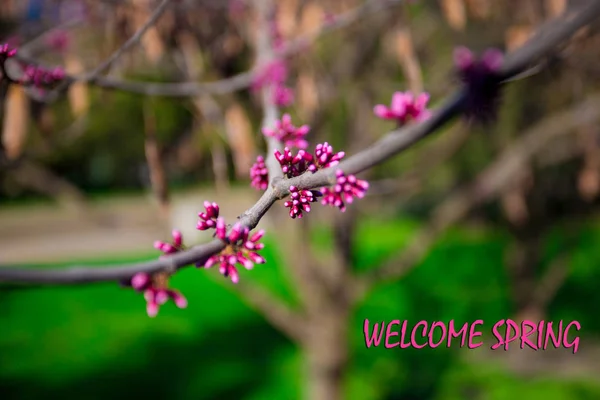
(326, 351)
(523, 262)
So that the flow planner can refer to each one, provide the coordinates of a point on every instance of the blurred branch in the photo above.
(488, 184)
(237, 82)
(35, 176)
(391, 144)
(543, 40)
(274, 310)
(132, 41)
(430, 159)
(93, 75)
(407, 57)
(214, 115)
(154, 160)
(551, 282)
(40, 40)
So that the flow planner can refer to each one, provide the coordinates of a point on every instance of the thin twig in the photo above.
(132, 41)
(273, 309)
(94, 75)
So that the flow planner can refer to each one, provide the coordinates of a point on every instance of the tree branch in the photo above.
(390, 145)
(234, 83)
(132, 41)
(274, 310)
(94, 75)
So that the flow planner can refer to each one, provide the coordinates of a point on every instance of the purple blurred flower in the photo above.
(274, 73)
(287, 133)
(404, 108)
(259, 174)
(482, 80)
(41, 77)
(283, 96)
(59, 40)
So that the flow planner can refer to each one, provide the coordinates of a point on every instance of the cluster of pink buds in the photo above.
(156, 291)
(208, 218)
(404, 108)
(259, 174)
(170, 248)
(300, 201)
(325, 157)
(275, 74)
(482, 80)
(344, 191)
(287, 133)
(295, 165)
(41, 77)
(291, 165)
(241, 249)
(283, 96)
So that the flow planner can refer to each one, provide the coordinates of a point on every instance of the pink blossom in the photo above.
(329, 18)
(170, 248)
(291, 165)
(259, 174)
(287, 133)
(274, 73)
(283, 96)
(295, 165)
(208, 219)
(42, 77)
(300, 201)
(241, 249)
(59, 40)
(156, 291)
(325, 157)
(404, 108)
(344, 191)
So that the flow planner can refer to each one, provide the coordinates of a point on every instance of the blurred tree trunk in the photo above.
(523, 263)
(327, 355)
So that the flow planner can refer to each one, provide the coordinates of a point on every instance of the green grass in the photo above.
(95, 341)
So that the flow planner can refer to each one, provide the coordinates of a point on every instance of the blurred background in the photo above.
(96, 176)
